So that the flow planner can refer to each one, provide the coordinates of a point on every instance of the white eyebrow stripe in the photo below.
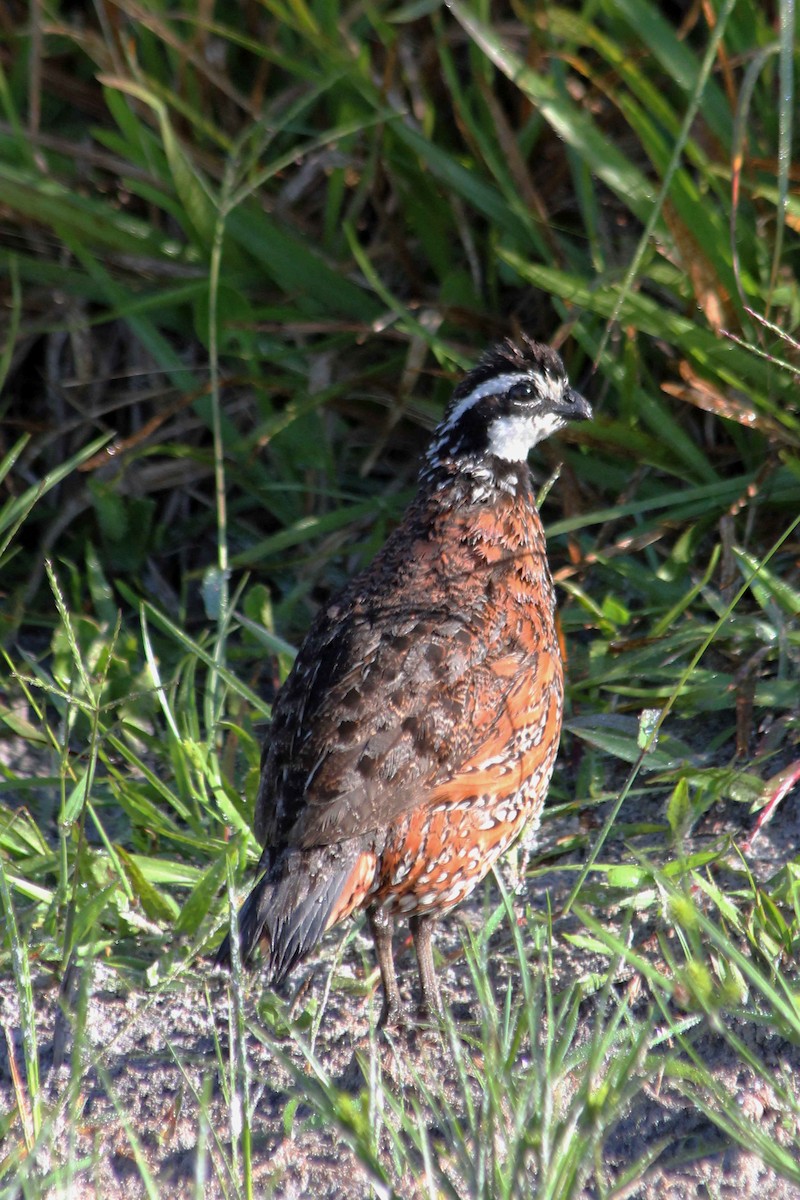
(491, 387)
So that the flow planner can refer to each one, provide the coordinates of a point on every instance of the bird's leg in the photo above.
(380, 924)
(421, 931)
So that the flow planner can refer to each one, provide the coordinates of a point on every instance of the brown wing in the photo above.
(403, 680)
(424, 705)
(375, 712)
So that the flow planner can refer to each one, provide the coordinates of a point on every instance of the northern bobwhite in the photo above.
(415, 736)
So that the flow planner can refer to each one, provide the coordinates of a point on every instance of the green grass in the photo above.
(247, 250)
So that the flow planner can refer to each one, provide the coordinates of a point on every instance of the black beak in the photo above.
(574, 406)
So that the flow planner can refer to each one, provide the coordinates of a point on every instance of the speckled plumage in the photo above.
(416, 733)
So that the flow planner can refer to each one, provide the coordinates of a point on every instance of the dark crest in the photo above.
(510, 357)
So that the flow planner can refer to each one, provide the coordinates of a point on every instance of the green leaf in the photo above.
(88, 915)
(679, 810)
(628, 877)
(570, 123)
(156, 905)
(196, 906)
(15, 511)
(298, 268)
(678, 61)
(619, 736)
(192, 191)
(766, 586)
(99, 588)
(76, 799)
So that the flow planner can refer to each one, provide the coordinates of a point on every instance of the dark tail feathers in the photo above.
(288, 909)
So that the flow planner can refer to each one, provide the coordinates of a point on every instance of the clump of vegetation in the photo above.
(245, 250)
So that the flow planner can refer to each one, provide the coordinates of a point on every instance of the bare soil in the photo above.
(151, 1054)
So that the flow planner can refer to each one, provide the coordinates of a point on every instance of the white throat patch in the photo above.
(510, 438)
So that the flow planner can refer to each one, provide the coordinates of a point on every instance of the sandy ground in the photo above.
(152, 1053)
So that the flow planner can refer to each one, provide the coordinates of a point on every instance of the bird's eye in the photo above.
(521, 391)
